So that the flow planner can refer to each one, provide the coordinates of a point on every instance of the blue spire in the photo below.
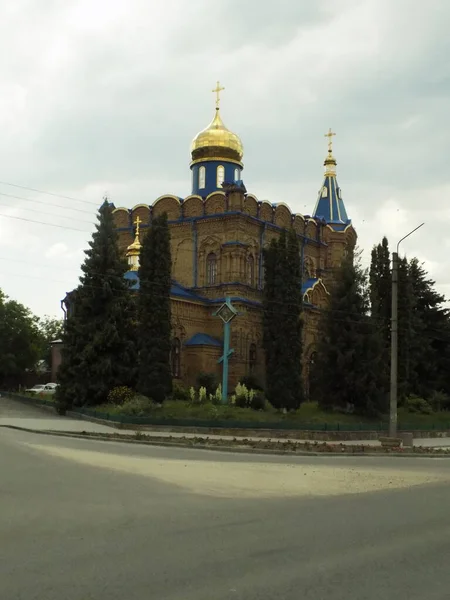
(330, 205)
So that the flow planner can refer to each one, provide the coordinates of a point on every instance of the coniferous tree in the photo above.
(99, 348)
(348, 371)
(430, 324)
(271, 306)
(408, 327)
(155, 378)
(293, 323)
(380, 282)
(282, 322)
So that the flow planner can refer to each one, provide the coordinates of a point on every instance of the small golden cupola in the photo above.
(134, 249)
(216, 154)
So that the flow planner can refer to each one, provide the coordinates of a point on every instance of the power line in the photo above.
(43, 212)
(24, 187)
(45, 203)
(42, 223)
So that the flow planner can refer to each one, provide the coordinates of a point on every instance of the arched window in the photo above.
(220, 175)
(324, 192)
(211, 269)
(252, 358)
(175, 357)
(201, 178)
(237, 175)
(250, 270)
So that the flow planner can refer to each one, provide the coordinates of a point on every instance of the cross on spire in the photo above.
(137, 223)
(217, 92)
(330, 135)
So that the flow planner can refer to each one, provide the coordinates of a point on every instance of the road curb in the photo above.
(225, 448)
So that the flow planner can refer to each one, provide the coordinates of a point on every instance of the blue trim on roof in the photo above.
(176, 290)
(309, 284)
(235, 243)
(203, 339)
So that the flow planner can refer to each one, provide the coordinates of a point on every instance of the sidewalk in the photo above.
(13, 413)
(70, 425)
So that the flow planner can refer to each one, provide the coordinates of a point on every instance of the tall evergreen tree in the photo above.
(155, 378)
(282, 322)
(380, 285)
(349, 368)
(408, 328)
(430, 325)
(99, 348)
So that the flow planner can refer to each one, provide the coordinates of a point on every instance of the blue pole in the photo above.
(226, 351)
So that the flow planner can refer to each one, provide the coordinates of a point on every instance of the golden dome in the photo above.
(134, 249)
(217, 141)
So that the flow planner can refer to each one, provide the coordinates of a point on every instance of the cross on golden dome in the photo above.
(137, 223)
(217, 91)
(330, 135)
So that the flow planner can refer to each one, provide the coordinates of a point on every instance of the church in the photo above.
(218, 233)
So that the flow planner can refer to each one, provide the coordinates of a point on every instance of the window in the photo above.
(201, 177)
(324, 192)
(252, 358)
(250, 270)
(211, 269)
(175, 357)
(220, 175)
(237, 175)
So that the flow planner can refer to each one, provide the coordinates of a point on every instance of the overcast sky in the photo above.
(106, 95)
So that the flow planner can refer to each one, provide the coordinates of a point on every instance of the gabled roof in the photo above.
(203, 339)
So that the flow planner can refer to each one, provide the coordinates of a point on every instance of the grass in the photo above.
(309, 413)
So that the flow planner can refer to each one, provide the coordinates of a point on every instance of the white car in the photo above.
(50, 388)
(40, 388)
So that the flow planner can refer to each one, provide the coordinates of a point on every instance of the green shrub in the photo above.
(139, 406)
(439, 401)
(179, 392)
(241, 401)
(208, 381)
(120, 395)
(413, 404)
(242, 396)
(251, 383)
(257, 401)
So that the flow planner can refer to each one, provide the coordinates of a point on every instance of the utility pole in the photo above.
(394, 340)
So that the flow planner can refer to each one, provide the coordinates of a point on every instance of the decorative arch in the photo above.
(266, 211)
(299, 224)
(282, 216)
(220, 176)
(215, 203)
(211, 268)
(311, 229)
(309, 267)
(121, 217)
(251, 205)
(201, 177)
(143, 212)
(167, 204)
(193, 206)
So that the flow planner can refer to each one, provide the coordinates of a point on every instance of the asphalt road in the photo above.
(83, 520)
